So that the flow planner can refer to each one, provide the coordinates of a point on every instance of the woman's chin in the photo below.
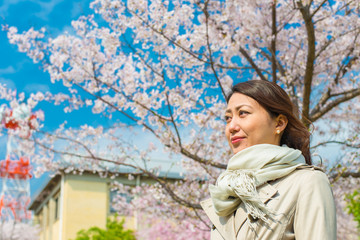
(238, 149)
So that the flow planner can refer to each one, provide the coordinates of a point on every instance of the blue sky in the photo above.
(16, 69)
(19, 72)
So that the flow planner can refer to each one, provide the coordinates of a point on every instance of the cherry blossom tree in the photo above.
(166, 67)
(11, 230)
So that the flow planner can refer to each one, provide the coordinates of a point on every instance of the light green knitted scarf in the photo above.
(249, 169)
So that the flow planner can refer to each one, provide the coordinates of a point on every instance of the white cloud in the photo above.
(6, 5)
(9, 83)
(76, 10)
(46, 7)
(8, 70)
(35, 87)
(68, 29)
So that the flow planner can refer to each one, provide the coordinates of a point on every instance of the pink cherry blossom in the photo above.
(167, 66)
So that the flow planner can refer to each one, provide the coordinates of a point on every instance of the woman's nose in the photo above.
(234, 126)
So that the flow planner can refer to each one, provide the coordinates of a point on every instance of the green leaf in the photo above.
(114, 231)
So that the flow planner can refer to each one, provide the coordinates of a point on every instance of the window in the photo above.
(56, 200)
(39, 218)
(114, 195)
(56, 205)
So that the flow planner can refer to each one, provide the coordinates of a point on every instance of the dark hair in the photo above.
(275, 100)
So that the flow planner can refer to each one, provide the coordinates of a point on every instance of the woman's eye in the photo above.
(227, 118)
(241, 113)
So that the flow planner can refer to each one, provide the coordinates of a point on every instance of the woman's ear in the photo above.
(281, 123)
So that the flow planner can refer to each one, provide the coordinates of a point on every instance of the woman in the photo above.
(269, 189)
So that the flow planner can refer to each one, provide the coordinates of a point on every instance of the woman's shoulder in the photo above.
(306, 177)
(309, 183)
(310, 171)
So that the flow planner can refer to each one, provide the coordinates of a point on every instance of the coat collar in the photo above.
(229, 226)
(266, 192)
(225, 225)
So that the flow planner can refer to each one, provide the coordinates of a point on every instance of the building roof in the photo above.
(54, 181)
(45, 192)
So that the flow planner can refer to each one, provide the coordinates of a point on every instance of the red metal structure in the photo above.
(15, 194)
(15, 169)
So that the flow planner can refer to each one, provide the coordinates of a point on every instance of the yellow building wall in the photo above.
(41, 220)
(85, 204)
(56, 216)
(51, 216)
(46, 222)
(56, 230)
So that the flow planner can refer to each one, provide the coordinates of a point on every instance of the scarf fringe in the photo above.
(243, 184)
(246, 171)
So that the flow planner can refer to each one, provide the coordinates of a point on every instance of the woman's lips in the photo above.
(236, 139)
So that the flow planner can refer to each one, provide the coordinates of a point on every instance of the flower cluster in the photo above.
(167, 67)
(19, 120)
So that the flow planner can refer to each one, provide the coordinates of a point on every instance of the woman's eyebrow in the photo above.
(238, 107)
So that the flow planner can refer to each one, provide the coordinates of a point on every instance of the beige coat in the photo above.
(304, 205)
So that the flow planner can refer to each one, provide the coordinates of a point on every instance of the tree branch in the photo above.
(309, 71)
(318, 8)
(162, 182)
(345, 96)
(332, 40)
(252, 63)
(209, 48)
(334, 177)
(336, 142)
(130, 99)
(273, 42)
(203, 161)
(344, 68)
(277, 62)
(142, 59)
(171, 113)
(109, 104)
(166, 37)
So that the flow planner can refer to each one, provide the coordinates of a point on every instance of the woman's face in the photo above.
(248, 123)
